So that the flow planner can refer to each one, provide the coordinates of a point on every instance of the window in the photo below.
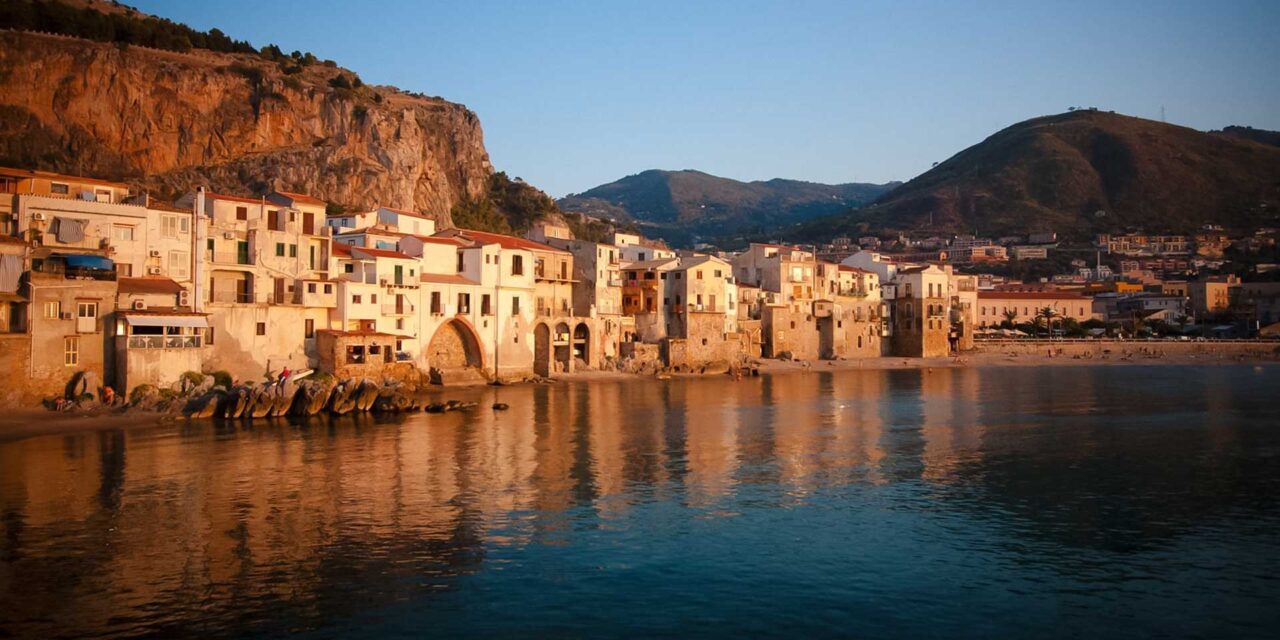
(275, 221)
(59, 188)
(309, 328)
(86, 310)
(171, 226)
(52, 310)
(435, 303)
(121, 233)
(328, 288)
(349, 268)
(279, 249)
(517, 265)
(356, 299)
(262, 328)
(699, 274)
(311, 287)
(564, 270)
(515, 305)
(677, 275)
(293, 251)
(464, 303)
(124, 269)
(179, 264)
(485, 307)
(719, 274)
(460, 262)
(242, 213)
(373, 298)
(71, 351)
(400, 323)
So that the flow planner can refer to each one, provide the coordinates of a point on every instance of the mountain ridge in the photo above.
(1080, 173)
(682, 206)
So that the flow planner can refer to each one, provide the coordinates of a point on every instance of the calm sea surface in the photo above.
(1118, 501)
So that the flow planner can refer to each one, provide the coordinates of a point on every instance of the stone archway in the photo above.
(542, 350)
(582, 343)
(563, 345)
(454, 346)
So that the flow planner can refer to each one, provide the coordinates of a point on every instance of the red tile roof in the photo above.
(50, 175)
(147, 285)
(382, 253)
(845, 267)
(303, 198)
(506, 242)
(1030, 295)
(440, 278)
(341, 249)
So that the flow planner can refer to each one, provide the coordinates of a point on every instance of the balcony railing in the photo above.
(166, 342)
(236, 297)
(397, 309)
(231, 257)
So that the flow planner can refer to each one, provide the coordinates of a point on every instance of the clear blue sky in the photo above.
(575, 94)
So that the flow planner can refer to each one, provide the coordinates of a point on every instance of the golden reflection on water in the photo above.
(129, 529)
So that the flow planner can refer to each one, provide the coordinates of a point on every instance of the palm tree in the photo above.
(1009, 316)
(1048, 314)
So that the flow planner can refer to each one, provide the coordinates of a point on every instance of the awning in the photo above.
(88, 262)
(200, 322)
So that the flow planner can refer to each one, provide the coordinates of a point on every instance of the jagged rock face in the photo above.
(167, 122)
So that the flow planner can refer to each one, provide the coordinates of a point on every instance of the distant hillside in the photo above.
(1081, 173)
(1257, 135)
(682, 206)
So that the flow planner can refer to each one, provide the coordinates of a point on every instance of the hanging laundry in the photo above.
(10, 273)
(68, 230)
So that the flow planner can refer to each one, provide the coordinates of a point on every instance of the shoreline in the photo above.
(22, 423)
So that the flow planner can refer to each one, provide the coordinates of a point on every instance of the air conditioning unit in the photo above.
(38, 216)
(184, 298)
(229, 235)
(139, 305)
(155, 271)
(153, 253)
(65, 315)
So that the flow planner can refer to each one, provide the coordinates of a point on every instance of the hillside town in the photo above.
(138, 291)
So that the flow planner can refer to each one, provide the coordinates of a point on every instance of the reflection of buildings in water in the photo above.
(799, 404)
(710, 412)
(604, 423)
(855, 404)
(950, 426)
(237, 516)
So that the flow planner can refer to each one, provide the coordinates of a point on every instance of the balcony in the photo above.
(166, 342)
(231, 257)
(405, 309)
(237, 297)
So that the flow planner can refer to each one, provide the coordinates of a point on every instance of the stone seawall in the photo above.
(1119, 348)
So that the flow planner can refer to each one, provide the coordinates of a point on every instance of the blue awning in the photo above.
(89, 262)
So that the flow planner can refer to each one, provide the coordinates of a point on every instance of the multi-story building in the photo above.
(1139, 244)
(787, 270)
(635, 248)
(597, 290)
(995, 307)
(1212, 296)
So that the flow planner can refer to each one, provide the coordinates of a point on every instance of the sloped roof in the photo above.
(505, 241)
(442, 278)
(303, 198)
(221, 196)
(381, 253)
(147, 285)
(1030, 295)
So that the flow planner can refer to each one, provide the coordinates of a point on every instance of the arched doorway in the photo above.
(563, 350)
(454, 346)
(542, 350)
(582, 343)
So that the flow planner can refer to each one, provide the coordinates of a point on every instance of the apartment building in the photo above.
(994, 307)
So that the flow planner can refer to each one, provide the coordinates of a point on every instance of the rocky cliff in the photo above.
(166, 121)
